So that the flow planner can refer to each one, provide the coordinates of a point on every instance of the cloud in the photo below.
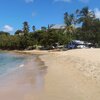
(29, 1)
(8, 28)
(33, 14)
(62, 0)
(97, 12)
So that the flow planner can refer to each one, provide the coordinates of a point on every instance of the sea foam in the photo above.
(22, 65)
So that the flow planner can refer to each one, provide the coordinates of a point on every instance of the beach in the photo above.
(24, 79)
(72, 75)
(59, 75)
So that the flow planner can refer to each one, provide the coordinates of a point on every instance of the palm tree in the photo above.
(25, 28)
(85, 16)
(69, 19)
(43, 28)
(33, 28)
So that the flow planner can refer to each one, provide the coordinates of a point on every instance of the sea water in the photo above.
(10, 62)
(20, 75)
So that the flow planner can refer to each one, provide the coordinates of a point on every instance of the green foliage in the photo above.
(18, 32)
(33, 28)
(43, 28)
(4, 33)
(85, 16)
(25, 28)
(90, 30)
(69, 19)
(47, 37)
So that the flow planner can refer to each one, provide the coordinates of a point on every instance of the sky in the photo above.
(39, 12)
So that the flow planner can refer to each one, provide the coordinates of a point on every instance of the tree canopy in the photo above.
(88, 30)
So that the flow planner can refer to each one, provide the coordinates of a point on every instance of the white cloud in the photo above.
(97, 12)
(29, 1)
(62, 0)
(8, 28)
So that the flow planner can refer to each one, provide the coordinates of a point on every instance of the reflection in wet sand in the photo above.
(25, 82)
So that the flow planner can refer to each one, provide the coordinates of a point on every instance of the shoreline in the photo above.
(73, 75)
(64, 75)
(24, 82)
(74, 56)
(36, 52)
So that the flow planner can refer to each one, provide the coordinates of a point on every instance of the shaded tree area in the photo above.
(4, 33)
(88, 30)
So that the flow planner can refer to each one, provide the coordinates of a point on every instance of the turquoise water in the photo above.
(20, 76)
(9, 62)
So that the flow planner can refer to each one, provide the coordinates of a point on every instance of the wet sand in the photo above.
(69, 75)
(23, 83)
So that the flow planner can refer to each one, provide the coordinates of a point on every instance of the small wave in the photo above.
(22, 65)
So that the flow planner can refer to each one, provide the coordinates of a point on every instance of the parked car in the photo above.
(79, 44)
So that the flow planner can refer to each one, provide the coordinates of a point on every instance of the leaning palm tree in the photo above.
(69, 21)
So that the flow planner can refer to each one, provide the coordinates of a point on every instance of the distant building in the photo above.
(21, 34)
(57, 26)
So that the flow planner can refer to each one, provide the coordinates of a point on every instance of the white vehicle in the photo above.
(76, 44)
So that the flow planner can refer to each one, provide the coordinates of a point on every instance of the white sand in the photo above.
(71, 75)
(32, 51)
